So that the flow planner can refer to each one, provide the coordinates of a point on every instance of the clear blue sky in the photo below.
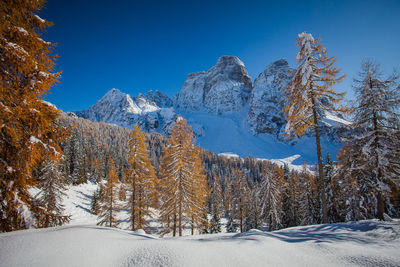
(141, 45)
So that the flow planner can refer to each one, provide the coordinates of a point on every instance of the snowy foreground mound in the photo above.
(366, 243)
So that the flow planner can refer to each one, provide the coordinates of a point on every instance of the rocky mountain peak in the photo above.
(159, 98)
(266, 113)
(224, 88)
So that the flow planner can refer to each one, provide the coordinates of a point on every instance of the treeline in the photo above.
(249, 193)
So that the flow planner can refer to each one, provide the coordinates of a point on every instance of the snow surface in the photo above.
(366, 243)
(83, 243)
(231, 133)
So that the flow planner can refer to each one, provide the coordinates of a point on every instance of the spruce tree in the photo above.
(28, 133)
(308, 206)
(376, 149)
(216, 206)
(52, 185)
(240, 193)
(271, 196)
(311, 84)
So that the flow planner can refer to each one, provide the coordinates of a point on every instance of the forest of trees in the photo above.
(171, 179)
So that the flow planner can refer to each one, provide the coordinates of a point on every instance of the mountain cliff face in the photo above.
(225, 88)
(227, 112)
(267, 102)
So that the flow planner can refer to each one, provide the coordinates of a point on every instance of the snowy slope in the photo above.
(366, 243)
(231, 133)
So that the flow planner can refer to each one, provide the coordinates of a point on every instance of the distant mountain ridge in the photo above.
(221, 100)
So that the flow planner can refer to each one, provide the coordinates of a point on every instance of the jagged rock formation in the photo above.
(226, 87)
(267, 102)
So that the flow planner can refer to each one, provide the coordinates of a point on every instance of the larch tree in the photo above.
(28, 133)
(109, 206)
(140, 180)
(376, 149)
(310, 94)
(182, 180)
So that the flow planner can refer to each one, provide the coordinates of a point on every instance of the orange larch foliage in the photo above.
(27, 131)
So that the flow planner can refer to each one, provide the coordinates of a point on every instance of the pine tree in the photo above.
(52, 185)
(271, 196)
(182, 180)
(376, 149)
(141, 181)
(310, 87)
(109, 205)
(28, 133)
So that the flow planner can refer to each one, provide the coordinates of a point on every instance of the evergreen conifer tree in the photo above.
(376, 151)
(52, 185)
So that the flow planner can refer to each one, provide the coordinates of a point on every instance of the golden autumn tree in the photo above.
(310, 94)
(182, 180)
(27, 131)
(109, 206)
(140, 180)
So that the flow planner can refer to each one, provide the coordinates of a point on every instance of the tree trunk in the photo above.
(133, 205)
(174, 227)
(180, 218)
(381, 207)
(321, 180)
(379, 176)
(192, 225)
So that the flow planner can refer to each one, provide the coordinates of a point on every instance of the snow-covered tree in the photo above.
(271, 196)
(140, 180)
(52, 185)
(312, 82)
(94, 205)
(240, 193)
(216, 206)
(349, 204)
(109, 205)
(28, 133)
(375, 152)
(290, 198)
(308, 206)
(182, 180)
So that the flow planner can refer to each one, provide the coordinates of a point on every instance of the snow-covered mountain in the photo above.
(226, 111)
(152, 112)
(267, 102)
(226, 87)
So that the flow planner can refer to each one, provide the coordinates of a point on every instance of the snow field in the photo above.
(83, 243)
